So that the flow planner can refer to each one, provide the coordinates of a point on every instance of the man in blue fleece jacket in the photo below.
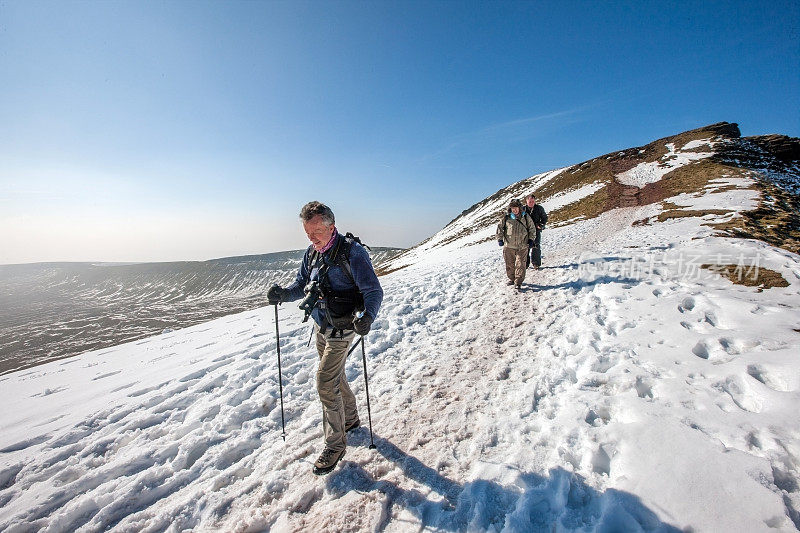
(348, 302)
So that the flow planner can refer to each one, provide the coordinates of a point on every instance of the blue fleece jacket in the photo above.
(363, 275)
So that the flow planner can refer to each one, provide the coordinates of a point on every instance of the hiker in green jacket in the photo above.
(515, 234)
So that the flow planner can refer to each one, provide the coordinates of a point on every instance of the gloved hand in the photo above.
(500, 242)
(275, 295)
(362, 325)
(530, 243)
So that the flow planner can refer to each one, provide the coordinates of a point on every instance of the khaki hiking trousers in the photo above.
(338, 402)
(516, 263)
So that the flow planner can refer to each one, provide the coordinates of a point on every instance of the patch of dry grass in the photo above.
(590, 207)
(775, 221)
(763, 278)
(688, 213)
(696, 177)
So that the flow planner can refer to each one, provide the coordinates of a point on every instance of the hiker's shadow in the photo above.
(578, 284)
(597, 271)
(560, 500)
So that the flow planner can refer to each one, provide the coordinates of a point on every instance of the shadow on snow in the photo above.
(559, 501)
(578, 284)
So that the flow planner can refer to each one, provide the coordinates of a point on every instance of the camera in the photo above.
(310, 300)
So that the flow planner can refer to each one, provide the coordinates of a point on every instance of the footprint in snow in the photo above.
(123, 387)
(24, 444)
(8, 476)
(597, 417)
(741, 394)
(687, 304)
(107, 375)
(503, 374)
(643, 388)
(768, 377)
(49, 391)
(601, 460)
(722, 351)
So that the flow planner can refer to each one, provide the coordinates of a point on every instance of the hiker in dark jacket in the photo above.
(539, 218)
(349, 299)
(515, 233)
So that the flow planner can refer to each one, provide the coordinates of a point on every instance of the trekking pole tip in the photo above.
(372, 447)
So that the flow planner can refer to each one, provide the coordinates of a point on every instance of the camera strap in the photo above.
(337, 299)
(317, 258)
(314, 261)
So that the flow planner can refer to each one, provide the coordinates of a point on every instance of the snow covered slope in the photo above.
(627, 388)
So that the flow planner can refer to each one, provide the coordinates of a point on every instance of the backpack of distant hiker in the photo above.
(340, 305)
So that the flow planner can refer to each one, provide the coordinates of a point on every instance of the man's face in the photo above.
(530, 201)
(515, 210)
(318, 232)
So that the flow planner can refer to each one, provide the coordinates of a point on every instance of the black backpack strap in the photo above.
(352, 238)
(313, 260)
(342, 257)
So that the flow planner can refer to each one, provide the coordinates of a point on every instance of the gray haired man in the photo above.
(348, 302)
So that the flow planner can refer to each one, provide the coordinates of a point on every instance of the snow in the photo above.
(571, 196)
(692, 145)
(646, 173)
(625, 389)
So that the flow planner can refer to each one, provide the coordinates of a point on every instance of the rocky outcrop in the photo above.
(785, 148)
(776, 158)
(723, 129)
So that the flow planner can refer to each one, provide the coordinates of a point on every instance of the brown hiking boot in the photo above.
(352, 425)
(327, 461)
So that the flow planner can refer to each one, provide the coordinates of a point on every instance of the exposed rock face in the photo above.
(775, 157)
(723, 129)
(787, 149)
(620, 195)
(779, 150)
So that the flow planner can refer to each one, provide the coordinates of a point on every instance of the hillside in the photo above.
(690, 164)
(645, 379)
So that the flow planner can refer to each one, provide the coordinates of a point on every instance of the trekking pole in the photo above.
(353, 347)
(366, 385)
(280, 380)
(311, 335)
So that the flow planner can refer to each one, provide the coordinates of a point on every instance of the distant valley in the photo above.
(49, 311)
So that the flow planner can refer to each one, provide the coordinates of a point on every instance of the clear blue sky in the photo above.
(139, 131)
